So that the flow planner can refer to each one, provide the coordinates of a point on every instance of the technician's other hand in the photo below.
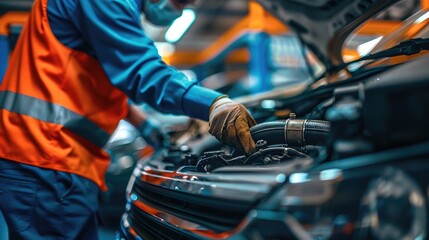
(230, 122)
(152, 134)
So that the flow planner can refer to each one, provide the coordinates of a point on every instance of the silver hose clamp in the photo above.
(294, 132)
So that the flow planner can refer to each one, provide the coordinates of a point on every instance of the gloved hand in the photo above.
(230, 122)
(153, 135)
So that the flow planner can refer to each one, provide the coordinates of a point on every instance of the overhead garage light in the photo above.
(180, 26)
(422, 18)
(367, 47)
(165, 49)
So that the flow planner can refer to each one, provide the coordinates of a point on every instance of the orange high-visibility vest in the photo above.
(57, 106)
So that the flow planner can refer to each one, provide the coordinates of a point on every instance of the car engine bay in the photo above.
(344, 122)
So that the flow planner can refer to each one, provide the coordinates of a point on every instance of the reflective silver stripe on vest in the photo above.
(53, 113)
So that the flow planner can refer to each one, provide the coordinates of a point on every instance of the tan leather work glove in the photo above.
(230, 122)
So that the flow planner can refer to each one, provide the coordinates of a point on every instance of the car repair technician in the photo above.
(76, 64)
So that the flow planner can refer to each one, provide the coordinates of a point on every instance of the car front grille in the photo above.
(148, 227)
(218, 215)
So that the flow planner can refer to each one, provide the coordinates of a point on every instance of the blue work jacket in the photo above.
(112, 32)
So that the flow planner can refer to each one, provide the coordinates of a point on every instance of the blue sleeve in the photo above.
(132, 63)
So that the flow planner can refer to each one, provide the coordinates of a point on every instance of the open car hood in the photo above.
(323, 25)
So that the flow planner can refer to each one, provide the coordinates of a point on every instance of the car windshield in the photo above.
(396, 24)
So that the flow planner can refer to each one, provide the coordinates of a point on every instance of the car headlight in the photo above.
(394, 207)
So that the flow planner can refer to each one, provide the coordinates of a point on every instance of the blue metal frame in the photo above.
(258, 45)
(206, 68)
(259, 69)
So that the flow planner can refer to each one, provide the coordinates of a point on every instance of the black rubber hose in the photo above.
(312, 132)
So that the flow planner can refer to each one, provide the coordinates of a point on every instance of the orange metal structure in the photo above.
(11, 18)
(425, 4)
(258, 19)
(378, 27)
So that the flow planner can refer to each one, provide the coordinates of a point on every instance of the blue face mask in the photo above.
(161, 13)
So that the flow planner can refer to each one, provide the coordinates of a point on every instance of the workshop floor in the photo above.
(109, 224)
(106, 233)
